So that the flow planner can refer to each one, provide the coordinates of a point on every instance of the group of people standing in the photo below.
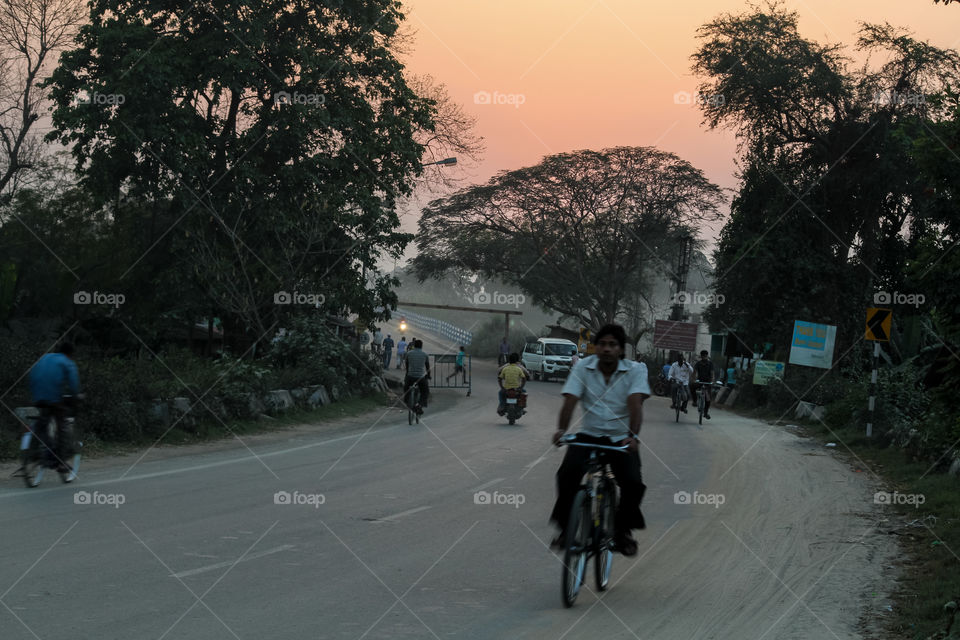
(384, 347)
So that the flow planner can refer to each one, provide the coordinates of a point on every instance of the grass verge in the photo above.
(212, 431)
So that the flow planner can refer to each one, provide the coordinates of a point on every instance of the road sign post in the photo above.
(878, 330)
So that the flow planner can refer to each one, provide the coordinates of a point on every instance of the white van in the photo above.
(548, 357)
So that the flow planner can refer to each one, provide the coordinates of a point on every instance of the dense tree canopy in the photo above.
(581, 233)
(249, 148)
(832, 200)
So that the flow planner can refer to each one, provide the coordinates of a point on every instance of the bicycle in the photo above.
(414, 410)
(590, 529)
(679, 397)
(702, 397)
(39, 442)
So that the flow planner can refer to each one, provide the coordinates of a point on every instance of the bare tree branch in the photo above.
(31, 33)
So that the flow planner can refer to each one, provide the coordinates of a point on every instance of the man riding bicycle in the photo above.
(417, 368)
(51, 374)
(704, 376)
(511, 376)
(679, 377)
(612, 391)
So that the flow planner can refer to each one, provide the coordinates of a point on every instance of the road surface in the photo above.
(371, 528)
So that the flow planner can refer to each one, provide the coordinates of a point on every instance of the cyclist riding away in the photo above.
(53, 373)
(703, 374)
(511, 376)
(680, 377)
(417, 367)
(612, 390)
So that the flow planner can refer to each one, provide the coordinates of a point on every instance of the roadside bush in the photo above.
(901, 404)
(238, 379)
(118, 394)
(122, 393)
(310, 346)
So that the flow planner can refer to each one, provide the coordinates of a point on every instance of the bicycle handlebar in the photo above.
(571, 441)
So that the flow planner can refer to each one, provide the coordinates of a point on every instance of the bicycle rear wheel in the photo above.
(603, 534)
(74, 459)
(413, 399)
(32, 462)
(577, 546)
(676, 401)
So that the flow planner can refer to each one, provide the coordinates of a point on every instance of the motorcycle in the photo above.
(516, 405)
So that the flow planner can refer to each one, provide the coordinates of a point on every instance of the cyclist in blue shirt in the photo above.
(49, 378)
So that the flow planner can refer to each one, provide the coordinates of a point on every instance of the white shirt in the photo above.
(681, 374)
(605, 410)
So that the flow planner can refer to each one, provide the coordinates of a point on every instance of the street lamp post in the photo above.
(446, 162)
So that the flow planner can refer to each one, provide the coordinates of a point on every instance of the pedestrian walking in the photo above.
(387, 351)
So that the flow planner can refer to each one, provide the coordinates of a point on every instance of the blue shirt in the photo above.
(50, 375)
(605, 410)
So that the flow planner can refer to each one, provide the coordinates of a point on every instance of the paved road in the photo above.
(377, 533)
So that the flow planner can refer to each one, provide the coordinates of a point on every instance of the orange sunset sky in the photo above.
(575, 74)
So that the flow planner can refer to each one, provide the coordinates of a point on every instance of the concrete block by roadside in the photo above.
(319, 397)
(809, 410)
(279, 400)
(731, 398)
(180, 404)
(722, 395)
(255, 404)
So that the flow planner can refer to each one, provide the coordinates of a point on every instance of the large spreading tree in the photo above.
(582, 233)
(243, 149)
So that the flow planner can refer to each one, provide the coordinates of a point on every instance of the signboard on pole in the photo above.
(677, 336)
(584, 342)
(765, 370)
(812, 344)
(878, 324)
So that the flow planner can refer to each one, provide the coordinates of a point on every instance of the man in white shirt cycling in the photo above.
(679, 376)
(612, 391)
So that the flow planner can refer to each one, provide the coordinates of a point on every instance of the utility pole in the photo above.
(683, 267)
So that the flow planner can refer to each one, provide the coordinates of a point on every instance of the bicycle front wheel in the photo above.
(701, 403)
(603, 534)
(577, 546)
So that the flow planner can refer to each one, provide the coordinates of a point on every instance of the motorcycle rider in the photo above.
(511, 376)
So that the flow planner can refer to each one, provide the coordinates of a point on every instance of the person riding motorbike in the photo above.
(511, 376)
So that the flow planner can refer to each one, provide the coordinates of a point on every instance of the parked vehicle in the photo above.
(548, 357)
